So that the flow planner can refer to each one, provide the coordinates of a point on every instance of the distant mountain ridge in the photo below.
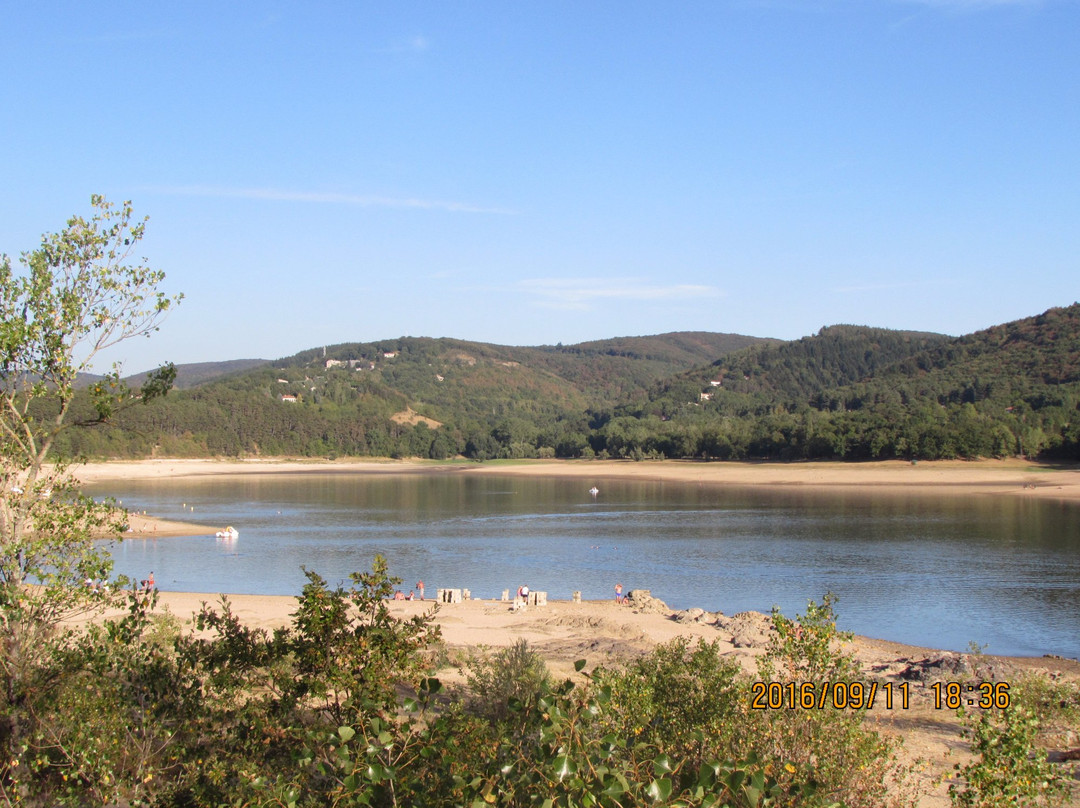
(192, 374)
(845, 392)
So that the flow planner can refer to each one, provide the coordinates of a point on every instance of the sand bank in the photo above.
(141, 526)
(598, 631)
(979, 477)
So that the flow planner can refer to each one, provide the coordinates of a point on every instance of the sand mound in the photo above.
(746, 629)
(596, 627)
(642, 601)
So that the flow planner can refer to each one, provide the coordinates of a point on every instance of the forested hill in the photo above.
(847, 392)
(1015, 359)
(859, 393)
(793, 371)
(401, 396)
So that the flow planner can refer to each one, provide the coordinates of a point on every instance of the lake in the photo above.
(943, 572)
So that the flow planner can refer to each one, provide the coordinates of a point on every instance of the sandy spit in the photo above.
(1012, 477)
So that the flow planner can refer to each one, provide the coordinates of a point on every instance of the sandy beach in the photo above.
(980, 477)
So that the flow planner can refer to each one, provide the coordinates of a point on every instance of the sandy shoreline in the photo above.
(1012, 477)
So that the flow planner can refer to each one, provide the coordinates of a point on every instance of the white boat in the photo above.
(228, 533)
(594, 490)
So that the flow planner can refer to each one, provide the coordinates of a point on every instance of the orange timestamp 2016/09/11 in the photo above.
(864, 695)
(831, 695)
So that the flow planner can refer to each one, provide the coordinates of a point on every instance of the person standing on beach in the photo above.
(618, 593)
(420, 586)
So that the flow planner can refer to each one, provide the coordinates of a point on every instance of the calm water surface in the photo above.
(940, 572)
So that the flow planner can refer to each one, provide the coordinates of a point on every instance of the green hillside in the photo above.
(847, 392)
(857, 393)
(193, 374)
(369, 398)
(793, 371)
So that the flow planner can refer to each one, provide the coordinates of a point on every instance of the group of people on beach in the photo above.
(145, 585)
(521, 598)
(399, 595)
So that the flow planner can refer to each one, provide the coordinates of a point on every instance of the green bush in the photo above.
(510, 679)
(340, 708)
(1006, 769)
(686, 700)
(1056, 705)
(851, 761)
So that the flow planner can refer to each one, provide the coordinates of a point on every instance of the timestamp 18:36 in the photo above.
(985, 695)
(864, 695)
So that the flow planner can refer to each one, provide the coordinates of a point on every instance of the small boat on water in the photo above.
(594, 490)
(228, 533)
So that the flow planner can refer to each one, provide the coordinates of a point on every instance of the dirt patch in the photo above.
(594, 626)
(411, 418)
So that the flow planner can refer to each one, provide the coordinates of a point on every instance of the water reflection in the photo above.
(936, 571)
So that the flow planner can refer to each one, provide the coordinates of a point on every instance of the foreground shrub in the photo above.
(340, 708)
(851, 761)
(1006, 770)
(512, 677)
(1056, 705)
(685, 700)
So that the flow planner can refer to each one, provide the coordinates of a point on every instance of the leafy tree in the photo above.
(79, 294)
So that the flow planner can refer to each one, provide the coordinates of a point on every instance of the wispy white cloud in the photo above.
(581, 293)
(325, 198)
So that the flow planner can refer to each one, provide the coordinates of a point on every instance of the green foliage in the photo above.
(849, 760)
(1056, 705)
(1007, 769)
(339, 708)
(78, 294)
(508, 680)
(567, 754)
(809, 648)
(107, 730)
(687, 700)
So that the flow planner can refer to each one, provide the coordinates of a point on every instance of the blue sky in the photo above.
(551, 172)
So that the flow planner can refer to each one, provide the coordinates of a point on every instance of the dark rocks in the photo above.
(957, 667)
